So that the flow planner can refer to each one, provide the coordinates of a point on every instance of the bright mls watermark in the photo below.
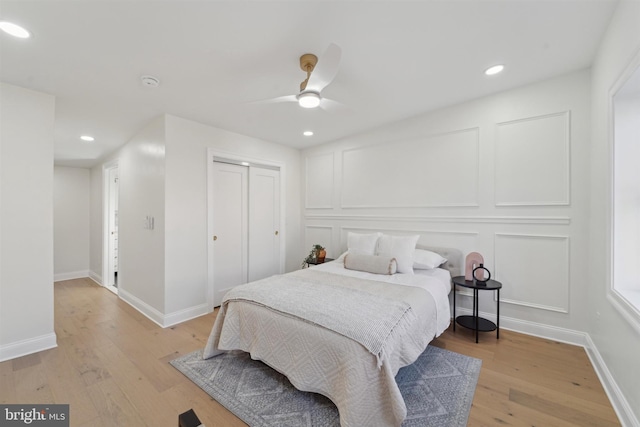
(34, 415)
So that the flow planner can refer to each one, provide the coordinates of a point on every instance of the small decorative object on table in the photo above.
(473, 260)
(316, 256)
(479, 276)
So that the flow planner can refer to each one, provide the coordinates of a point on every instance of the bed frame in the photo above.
(455, 260)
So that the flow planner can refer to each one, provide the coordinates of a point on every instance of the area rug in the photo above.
(437, 389)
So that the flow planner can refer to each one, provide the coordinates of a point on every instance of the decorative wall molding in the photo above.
(311, 237)
(405, 231)
(323, 169)
(537, 274)
(28, 346)
(479, 219)
(402, 170)
(530, 168)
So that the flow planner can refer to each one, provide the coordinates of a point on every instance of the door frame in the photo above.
(211, 154)
(106, 206)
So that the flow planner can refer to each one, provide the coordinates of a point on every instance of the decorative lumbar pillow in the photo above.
(370, 263)
(426, 260)
(399, 247)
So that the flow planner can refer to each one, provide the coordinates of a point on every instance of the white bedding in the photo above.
(437, 281)
(320, 360)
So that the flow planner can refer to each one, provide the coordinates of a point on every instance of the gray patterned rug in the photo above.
(437, 389)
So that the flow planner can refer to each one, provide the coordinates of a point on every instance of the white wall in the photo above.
(163, 173)
(616, 338)
(26, 221)
(506, 175)
(141, 251)
(71, 197)
(186, 206)
(96, 221)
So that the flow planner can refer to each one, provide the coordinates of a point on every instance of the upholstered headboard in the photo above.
(455, 260)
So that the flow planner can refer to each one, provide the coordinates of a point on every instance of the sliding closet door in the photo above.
(264, 222)
(230, 219)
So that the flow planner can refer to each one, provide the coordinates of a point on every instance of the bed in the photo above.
(339, 332)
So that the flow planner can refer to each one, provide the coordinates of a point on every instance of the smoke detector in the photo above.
(150, 81)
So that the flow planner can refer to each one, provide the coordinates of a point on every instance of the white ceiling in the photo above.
(399, 59)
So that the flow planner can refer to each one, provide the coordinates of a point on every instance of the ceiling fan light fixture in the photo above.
(308, 100)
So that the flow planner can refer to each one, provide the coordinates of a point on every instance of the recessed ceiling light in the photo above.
(14, 29)
(494, 70)
(87, 138)
(307, 133)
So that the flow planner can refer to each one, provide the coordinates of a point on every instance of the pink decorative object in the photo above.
(473, 260)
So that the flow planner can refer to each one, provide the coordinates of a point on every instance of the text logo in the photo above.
(34, 415)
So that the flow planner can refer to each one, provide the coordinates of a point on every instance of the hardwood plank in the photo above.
(114, 407)
(67, 385)
(111, 366)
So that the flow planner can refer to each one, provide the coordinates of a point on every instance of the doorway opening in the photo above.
(110, 215)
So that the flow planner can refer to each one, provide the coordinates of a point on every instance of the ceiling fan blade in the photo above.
(326, 69)
(287, 98)
(334, 106)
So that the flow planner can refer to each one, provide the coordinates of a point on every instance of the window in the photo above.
(626, 196)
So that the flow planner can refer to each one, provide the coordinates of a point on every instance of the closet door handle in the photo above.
(276, 232)
(215, 238)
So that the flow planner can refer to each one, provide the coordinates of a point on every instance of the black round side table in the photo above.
(475, 322)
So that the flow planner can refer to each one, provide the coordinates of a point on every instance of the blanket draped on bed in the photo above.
(341, 307)
(347, 341)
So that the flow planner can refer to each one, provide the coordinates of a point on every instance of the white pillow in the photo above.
(399, 247)
(426, 260)
(363, 244)
(370, 263)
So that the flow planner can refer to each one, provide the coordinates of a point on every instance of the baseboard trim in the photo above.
(151, 313)
(620, 405)
(616, 397)
(28, 346)
(95, 277)
(186, 314)
(554, 333)
(70, 275)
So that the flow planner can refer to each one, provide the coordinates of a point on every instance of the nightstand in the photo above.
(475, 322)
(315, 261)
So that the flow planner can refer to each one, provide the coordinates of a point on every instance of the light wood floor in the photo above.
(111, 366)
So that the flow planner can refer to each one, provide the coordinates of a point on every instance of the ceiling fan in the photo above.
(320, 73)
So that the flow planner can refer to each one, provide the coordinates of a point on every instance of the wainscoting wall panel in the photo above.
(409, 173)
(319, 180)
(532, 161)
(506, 176)
(534, 270)
(319, 235)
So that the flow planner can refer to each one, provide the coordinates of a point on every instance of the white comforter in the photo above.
(320, 360)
